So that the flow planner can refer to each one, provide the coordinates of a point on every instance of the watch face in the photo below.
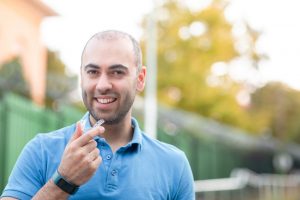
(63, 184)
(60, 182)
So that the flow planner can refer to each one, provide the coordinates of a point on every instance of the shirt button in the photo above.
(114, 172)
(108, 157)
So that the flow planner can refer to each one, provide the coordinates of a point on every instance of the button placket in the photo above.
(113, 172)
(106, 155)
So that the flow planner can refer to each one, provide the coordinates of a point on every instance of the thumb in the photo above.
(78, 132)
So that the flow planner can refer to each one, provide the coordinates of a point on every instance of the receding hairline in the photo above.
(111, 35)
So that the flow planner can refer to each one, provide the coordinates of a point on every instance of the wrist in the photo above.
(64, 184)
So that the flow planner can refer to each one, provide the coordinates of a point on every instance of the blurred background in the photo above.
(223, 83)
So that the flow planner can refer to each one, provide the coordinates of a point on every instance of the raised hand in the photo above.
(81, 157)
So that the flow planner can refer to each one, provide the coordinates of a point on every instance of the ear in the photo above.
(141, 79)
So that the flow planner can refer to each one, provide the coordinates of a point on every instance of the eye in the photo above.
(92, 72)
(118, 72)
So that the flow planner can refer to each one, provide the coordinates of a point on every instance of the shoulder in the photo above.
(55, 136)
(154, 146)
(162, 149)
(45, 142)
(171, 164)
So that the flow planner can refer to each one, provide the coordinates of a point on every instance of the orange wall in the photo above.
(20, 37)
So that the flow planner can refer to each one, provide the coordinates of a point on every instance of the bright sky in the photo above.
(79, 20)
(277, 19)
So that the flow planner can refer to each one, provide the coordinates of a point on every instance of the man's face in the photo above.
(109, 79)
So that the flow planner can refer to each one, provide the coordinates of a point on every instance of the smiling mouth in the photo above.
(106, 100)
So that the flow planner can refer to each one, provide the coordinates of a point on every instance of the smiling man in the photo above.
(115, 160)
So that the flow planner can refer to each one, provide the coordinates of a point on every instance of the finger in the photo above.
(94, 154)
(90, 146)
(89, 135)
(78, 132)
(95, 164)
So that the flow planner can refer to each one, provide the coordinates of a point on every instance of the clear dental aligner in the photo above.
(98, 123)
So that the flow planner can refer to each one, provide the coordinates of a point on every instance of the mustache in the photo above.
(106, 94)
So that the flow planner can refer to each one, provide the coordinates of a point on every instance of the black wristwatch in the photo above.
(63, 184)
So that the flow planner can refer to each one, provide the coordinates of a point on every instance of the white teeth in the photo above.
(105, 101)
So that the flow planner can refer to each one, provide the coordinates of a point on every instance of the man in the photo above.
(115, 160)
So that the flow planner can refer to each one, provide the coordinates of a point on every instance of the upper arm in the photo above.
(26, 177)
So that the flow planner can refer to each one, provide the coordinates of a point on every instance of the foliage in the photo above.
(12, 80)
(189, 44)
(59, 84)
(280, 106)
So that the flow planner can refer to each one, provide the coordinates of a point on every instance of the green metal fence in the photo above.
(20, 121)
(2, 143)
(212, 149)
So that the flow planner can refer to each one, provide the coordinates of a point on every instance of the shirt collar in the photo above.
(137, 133)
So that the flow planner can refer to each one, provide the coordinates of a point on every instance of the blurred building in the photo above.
(20, 37)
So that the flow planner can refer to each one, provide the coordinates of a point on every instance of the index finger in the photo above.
(89, 135)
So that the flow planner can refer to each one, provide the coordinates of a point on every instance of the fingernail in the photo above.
(101, 128)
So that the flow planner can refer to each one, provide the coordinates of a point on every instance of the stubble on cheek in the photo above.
(85, 99)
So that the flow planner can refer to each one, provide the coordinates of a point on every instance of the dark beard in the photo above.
(117, 117)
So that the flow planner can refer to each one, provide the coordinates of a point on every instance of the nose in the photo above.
(103, 84)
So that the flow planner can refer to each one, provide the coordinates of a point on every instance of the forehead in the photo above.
(107, 52)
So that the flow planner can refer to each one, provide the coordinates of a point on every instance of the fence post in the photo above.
(3, 120)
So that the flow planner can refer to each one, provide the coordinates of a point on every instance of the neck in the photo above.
(118, 135)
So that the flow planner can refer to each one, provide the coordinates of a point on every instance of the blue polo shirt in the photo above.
(145, 168)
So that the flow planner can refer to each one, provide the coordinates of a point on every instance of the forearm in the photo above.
(50, 191)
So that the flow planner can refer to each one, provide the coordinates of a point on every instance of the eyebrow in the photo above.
(91, 65)
(111, 67)
(118, 66)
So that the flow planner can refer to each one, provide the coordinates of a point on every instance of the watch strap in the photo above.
(63, 184)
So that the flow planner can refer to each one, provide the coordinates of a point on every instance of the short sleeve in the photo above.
(26, 177)
(185, 189)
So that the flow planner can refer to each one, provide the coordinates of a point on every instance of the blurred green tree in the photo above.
(60, 83)
(189, 44)
(58, 86)
(280, 106)
(12, 80)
